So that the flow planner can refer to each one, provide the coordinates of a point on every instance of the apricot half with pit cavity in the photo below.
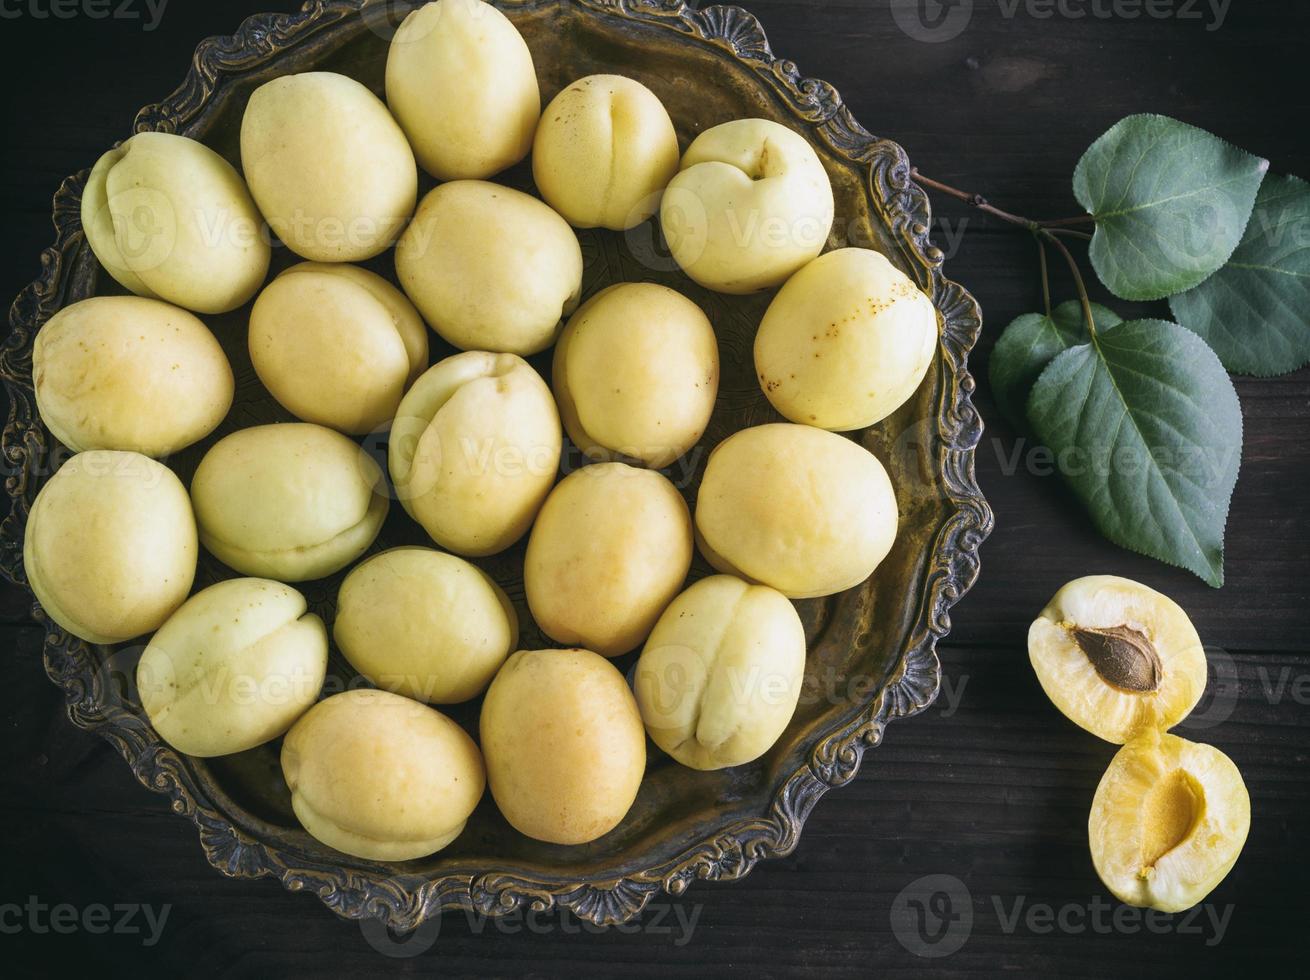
(1116, 657)
(1168, 821)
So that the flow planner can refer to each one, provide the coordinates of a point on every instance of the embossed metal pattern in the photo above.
(707, 65)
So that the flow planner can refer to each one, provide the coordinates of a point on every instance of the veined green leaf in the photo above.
(1146, 428)
(1255, 311)
(1170, 203)
(1027, 345)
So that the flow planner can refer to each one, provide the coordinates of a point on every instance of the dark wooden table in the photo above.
(991, 786)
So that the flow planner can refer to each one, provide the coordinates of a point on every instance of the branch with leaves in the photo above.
(1142, 414)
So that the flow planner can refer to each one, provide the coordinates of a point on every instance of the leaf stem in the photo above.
(975, 200)
(1077, 279)
(1082, 219)
(1045, 231)
(982, 204)
(1068, 231)
(1046, 281)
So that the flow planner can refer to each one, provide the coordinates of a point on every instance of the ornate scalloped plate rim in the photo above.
(404, 901)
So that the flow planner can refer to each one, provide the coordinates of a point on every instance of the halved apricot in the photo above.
(1168, 821)
(1116, 657)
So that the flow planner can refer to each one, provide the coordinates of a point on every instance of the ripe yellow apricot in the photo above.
(170, 219)
(490, 268)
(328, 166)
(289, 501)
(564, 745)
(233, 668)
(846, 342)
(1168, 821)
(110, 546)
(129, 373)
(1116, 657)
(337, 345)
(474, 449)
(610, 550)
(460, 82)
(636, 372)
(604, 151)
(805, 511)
(380, 776)
(720, 675)
(750, 205)
(424, 624)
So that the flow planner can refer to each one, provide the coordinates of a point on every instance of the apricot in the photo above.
(721, 672)
(1117, 658)
(609, 551)
(636, 372)
(750, 204)
(1168, 821)
(805, 511)
(565, 750)
(382, 777)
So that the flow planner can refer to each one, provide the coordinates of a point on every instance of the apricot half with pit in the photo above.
(1116, 657)
(1168, 821)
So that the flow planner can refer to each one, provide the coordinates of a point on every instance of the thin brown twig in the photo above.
(982, 204)
(975, 200)
(1048, 231)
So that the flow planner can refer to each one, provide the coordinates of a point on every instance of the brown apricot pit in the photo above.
(1123, 656)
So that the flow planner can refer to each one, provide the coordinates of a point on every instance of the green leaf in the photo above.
(1170, 203)
(1027, 345)
(1147, 430)
(1255, 311)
